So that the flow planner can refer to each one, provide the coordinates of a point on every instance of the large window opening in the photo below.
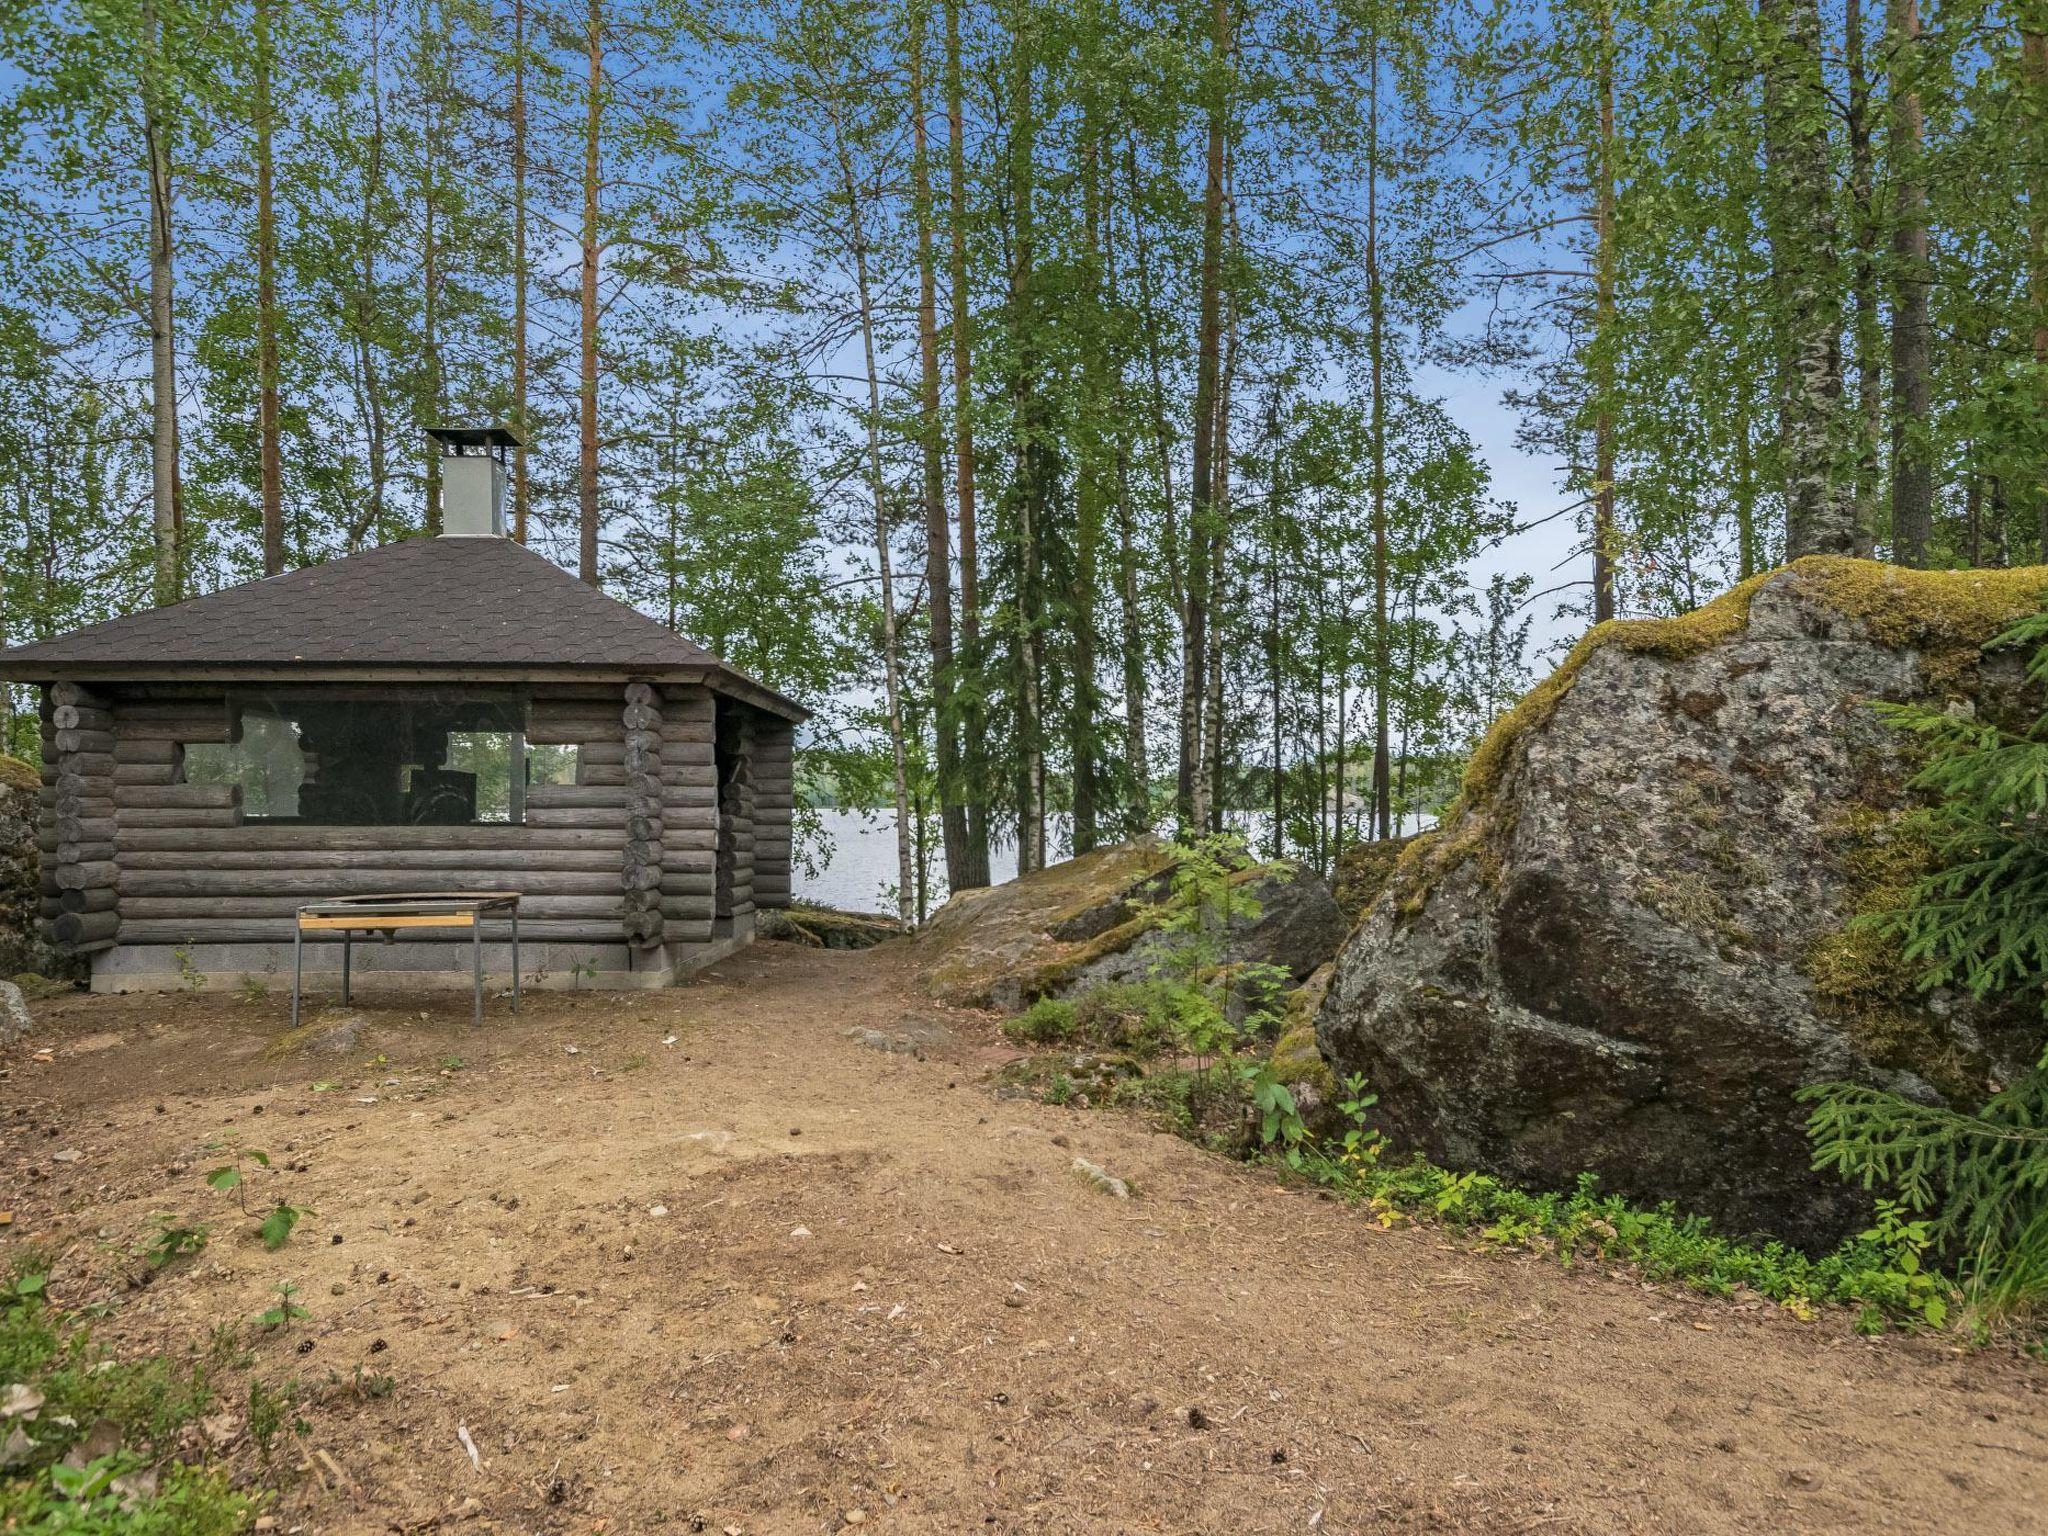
(366, 761)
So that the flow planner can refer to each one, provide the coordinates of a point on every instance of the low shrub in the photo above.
(133, 1413)
(1049, 1021)
(1883, 1271)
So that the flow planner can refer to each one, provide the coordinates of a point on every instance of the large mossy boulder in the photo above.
(1096, 919)
(1632, 939)
(21, 948)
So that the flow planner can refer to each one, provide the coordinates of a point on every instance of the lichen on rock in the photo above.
(1095, 920)
(1634, 936)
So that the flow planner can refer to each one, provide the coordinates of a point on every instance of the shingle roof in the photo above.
(468, 603)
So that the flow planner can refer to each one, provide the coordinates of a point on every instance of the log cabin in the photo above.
(446, 713)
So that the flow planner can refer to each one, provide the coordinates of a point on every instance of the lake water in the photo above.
(860, 870)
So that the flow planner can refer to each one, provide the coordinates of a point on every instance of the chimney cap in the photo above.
(454, 440)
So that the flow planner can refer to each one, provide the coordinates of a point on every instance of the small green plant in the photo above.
(232, 1177)
(1883, 1271)
(269, 1411)
(370, 1385)
(580, 972)
(451, 1063)
(50, 1486)
(1279, 1120)
(1060, 1090)
(325, 1085)
(1048, 1021)
(172, 1240)
(253, 988)
(276, 1228)
(190, 977)
(633, 1063)
(284, 1311)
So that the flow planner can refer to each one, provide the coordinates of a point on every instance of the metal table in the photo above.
(396, 911)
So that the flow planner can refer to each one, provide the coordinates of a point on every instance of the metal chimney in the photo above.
(473, 470)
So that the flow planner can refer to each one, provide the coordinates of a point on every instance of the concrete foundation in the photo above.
(411, 966)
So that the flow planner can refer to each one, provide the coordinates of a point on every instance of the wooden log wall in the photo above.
(640, 863)
(689, 802)
(76, 835)
(190, 871)
(774, 808)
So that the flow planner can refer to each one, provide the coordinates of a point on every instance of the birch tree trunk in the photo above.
(166, 515)
(974, 841)
(586, 398)
(892, 670)
(1799, 219)
(1604, 343)
(1376, 335)
(270, 463)
(1193, 801)
(1912, 389)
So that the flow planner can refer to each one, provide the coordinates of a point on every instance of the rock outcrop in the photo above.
(1094, 919)
(1630, 942)
(20, 899)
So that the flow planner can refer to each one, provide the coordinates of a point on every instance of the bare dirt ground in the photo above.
(877, 1295)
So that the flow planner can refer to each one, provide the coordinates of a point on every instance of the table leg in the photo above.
(298, 952)
(515, 960)
(476, 958)
(348, 941)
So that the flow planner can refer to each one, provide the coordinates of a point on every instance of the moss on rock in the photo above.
(16, 774)
(1297, 1058)
(1947, 615)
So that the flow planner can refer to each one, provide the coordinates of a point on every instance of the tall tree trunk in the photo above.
(521, 489)
(1748, 559)
(1865, 318)
(432, 49)
(1604, 340)
(2034, 97)
(1137, 816)
(1138, 810)
(1212, 653)
(1912, 390)
(270, 459)
(1031, 447)
(592, 249)
(892, 666)
(1273, 641)
(938, 543)
(166, 514)
(974, 841)
(377, 422)
(1092, 488)
(1219, 545)
(1799, 218)
(1604, 343)
(1192, 802)
(1376, 336)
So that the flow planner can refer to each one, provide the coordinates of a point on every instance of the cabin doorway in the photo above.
(729, 753)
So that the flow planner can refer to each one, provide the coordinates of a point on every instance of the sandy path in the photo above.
(879, 1289)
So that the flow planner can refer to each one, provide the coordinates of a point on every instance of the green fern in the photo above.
(1978, 921)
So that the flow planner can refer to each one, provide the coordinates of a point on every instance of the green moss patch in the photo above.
(16, 774)
(1949, 615)
(1297, 1058)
